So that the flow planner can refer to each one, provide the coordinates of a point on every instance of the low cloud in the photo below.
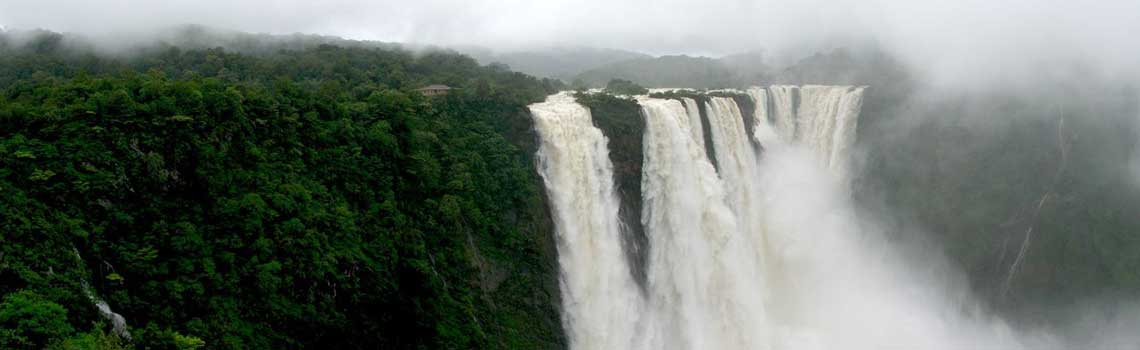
(953, 43)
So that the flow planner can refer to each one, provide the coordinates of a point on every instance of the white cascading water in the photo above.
(693, 110)
(822, 118)
(118, 322)
(782, 99)
(836, 283)
(703, 282)
(762, 123)
(826, 121)
(601, 303)
(767, 254)
(736, 161)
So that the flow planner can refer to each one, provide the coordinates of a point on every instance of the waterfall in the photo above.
(737, 160)
(783, 117)
(694, 112)
(826, 120)
(704, 288)
(763, 128)
(600, 300)
(763, 251)
(822, 118)
(118, 322)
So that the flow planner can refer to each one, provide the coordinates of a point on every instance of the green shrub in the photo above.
(28, 321)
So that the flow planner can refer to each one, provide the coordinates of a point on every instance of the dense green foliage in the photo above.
(28, 320)
(624, 87)
(310, 198)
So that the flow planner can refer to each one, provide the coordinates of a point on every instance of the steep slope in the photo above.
(296, 199)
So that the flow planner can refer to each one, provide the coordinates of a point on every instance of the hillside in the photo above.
(269, 197)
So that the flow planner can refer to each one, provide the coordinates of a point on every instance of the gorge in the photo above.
(762, 251)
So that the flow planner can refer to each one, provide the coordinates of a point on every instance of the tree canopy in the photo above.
(296, 198)
(624, 87)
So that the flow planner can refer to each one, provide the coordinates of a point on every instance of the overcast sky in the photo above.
(945, 36)
(954, 43)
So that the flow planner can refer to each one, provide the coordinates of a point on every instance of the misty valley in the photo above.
(203, 188)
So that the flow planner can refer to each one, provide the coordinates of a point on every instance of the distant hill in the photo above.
(193, 36)
(666, 71)
(838, 66)
(751, 65)
(560, 63)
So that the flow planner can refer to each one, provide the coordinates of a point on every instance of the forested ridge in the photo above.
(277, 199)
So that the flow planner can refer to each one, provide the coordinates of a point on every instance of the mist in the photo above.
(1136, 157)
(970, 43)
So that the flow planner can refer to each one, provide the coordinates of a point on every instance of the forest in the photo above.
(269, 199)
